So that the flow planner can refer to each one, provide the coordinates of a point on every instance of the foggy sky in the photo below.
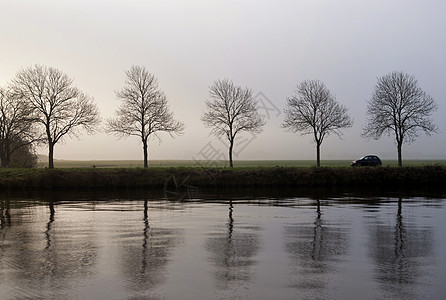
(268, 46)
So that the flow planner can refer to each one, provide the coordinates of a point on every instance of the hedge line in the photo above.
(382, 177)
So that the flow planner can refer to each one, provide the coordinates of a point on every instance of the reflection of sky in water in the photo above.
(260, 249)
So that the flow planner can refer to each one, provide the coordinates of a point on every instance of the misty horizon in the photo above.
(268, 47)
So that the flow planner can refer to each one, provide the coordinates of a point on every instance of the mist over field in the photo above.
(267, 46)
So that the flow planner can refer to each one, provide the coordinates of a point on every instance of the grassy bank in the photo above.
(171, 178)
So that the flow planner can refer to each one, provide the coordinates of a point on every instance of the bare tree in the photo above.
(17, 128)
(144, 110)
(314, 110)
(230, 111)
(62, 109)
(401, 108)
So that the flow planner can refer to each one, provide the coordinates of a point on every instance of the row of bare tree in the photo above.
(41, 105)
(398, 107)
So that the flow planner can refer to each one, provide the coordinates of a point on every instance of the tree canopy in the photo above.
(17, 127)
(401, 108)
(144, 111)
(314, 110)
(61, 108)
(231, 110)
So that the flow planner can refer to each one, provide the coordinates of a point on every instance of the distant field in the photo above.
(222, 164)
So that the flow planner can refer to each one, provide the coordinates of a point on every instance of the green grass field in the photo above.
(222, 164)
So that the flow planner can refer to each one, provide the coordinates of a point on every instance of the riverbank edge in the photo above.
(188, 177)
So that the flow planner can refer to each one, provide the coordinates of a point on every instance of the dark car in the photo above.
(368, 160)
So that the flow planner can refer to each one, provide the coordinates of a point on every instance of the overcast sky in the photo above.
(268, 46)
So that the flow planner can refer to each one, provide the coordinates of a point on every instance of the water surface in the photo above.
(60, 246)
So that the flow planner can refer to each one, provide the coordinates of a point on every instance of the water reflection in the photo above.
(5, 216)
(48, 225)
(145, 256)
(401, 253)
(313, 247)
(233, 253)
(248, 248)
(45, 260)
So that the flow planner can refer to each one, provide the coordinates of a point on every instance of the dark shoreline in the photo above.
(381, 178)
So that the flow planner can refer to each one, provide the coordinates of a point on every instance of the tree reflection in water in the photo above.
(286, 248)
(48, 259)
(65, 257)
(232, 253)
(48, 225)
(5, 217)
(5, 225)
(144, 264)
(400, 253)
(313, 247)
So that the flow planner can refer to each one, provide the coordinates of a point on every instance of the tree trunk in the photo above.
(231, 145)
(5, 159)
(50, 155)
(146, 153)
(4, 162)
(318, 154)
(400, 158)
(5, 156)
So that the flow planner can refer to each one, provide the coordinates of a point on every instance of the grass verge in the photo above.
(174, 178)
